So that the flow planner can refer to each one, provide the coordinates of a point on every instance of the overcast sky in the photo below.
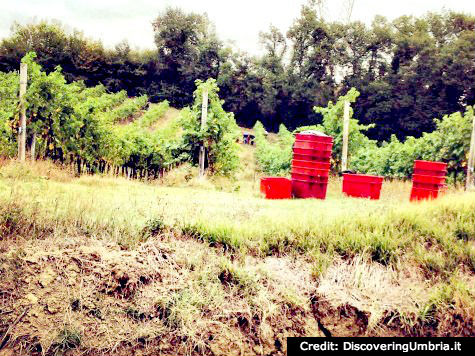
(239, 21)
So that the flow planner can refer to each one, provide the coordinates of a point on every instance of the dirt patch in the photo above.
(361, 298)
(86, 296)
(345, 320)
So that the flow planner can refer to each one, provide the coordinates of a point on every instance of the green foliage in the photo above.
(138, 147)
(75, 124)
(127, 109)
(408, 70)
(66, 340)
(273, 158)
(187, 49)
(9, 85)
(449, 143)
(219, 134)
(332, 125)
(153, 114)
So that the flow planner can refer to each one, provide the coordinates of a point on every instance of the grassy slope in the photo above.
(168, 119)
(109, 264)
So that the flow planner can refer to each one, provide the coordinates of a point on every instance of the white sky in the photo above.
(237, 21)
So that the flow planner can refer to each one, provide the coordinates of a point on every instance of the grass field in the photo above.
(104, 264)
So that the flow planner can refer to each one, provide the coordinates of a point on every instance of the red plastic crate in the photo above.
(263, 186)
(305, 189)
(311, 164)
(423, 194)
(421, 178)
(309, 178)
(425, 172)
(276, 187)
(313, 172)
(423, 185)
(317, 159)
(430, 166)
(362, 185)
(312, 153)
(313, 137)
(313, 145)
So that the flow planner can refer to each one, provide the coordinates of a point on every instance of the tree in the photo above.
(188, 50)
(219, 135)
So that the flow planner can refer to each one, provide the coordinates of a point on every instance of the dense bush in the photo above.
(273, 158)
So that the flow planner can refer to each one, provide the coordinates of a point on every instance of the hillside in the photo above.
(95, 265)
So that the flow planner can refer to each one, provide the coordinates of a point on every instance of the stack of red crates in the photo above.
(311, 164)
(428, 179)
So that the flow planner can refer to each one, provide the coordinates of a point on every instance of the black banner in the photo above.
(306, 346)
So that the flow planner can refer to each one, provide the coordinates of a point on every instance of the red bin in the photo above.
(313, 172)
(306, 157)
(276, 187)
(313, 145)
(311, 164)
(362, 185)
(309, 189)
(421, 178)
(430, 166)
(424, 193)
(312, 155)
(309, 178)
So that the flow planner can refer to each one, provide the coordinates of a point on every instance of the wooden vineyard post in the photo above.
(204, 116)
(346, 126)
(33, 147)
(22, 127)
(471, 160)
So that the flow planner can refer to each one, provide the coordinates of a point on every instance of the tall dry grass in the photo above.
(416, 260)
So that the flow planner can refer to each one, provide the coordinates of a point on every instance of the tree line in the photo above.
(408, 71)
